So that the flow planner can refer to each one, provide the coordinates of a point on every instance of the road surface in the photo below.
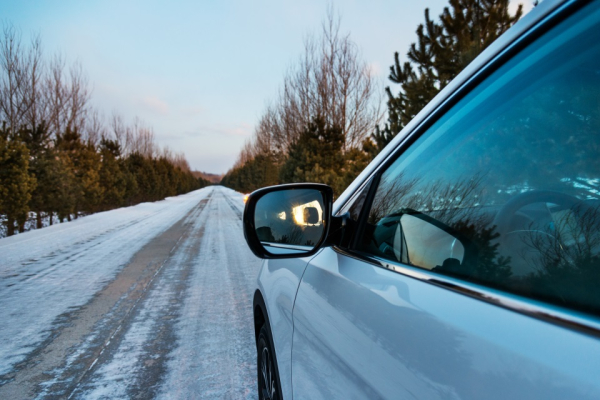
(149, 301)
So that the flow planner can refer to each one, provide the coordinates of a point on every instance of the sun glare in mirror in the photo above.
(309, 214)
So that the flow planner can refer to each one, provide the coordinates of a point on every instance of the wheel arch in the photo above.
(260, 313)
(261, 317)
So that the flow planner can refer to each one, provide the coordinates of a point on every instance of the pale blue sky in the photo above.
(201, 72)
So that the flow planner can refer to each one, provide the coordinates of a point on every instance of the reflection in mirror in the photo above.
(422, 236)
(416, 239)
(290, 221)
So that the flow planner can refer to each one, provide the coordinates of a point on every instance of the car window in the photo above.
(355, 205)
(504, 189)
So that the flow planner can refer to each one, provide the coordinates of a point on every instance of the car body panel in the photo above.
(380, 334)
(278, 283)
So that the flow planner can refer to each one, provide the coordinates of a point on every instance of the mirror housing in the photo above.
(288, 221)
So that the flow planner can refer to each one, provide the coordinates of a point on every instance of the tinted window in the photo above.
(355, 205)
(504, 189)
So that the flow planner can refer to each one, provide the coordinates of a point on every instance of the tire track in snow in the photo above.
(239, 212)
(133, 363)
(215, 353)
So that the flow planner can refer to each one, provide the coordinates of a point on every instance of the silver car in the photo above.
(464, 262)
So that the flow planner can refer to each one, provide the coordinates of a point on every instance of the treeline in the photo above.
(58, 157)
(326, 126)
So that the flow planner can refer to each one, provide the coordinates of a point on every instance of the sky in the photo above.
(201, 73)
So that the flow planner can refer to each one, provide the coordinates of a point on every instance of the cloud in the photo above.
(170, 137)
(155, 104)
(374, 68)
(240, 130)
(193, 111)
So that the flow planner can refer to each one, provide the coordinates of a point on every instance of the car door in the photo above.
(474, 268)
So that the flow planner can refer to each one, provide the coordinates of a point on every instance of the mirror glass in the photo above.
(290, 221)
(427, 245)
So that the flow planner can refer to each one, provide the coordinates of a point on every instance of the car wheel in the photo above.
(268, 381)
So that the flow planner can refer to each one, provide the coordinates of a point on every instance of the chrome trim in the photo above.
(563, 317)
(287, 246)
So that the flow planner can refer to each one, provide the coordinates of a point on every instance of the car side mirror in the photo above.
(287, 221)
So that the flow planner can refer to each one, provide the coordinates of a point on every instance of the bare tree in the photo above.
(330, 81)
(31, 90)
(136, 138)
(67, 96)
(180, 161)
(119, 132)
(78, 96)
(56, 94)
(13, 102)
(176, 159)
(95, 128)
(246, 154)
(36, 109)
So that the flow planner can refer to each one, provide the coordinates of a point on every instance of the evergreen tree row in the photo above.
(58, 158)
(316, 155)
(323, 149)
(66, 177)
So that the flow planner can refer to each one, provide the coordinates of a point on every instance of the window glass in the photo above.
(504, 189)
(355, 205)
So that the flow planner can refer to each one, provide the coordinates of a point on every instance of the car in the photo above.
(464, 261)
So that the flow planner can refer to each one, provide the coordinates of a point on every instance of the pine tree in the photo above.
(112, 180)
(316, 156)
(16, 184)
(84, 162)
(131, 185)
(442, 50)
(38, 141)
(60, 198)
(144, 174)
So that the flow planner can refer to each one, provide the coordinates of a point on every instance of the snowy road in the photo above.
(150, 301)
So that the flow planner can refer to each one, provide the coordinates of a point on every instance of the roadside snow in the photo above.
(31, 223)
(46, 273)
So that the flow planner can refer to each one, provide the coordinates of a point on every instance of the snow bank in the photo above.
(48, 272)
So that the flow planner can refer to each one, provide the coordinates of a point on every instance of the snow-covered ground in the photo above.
(180, 328)
(31, 222)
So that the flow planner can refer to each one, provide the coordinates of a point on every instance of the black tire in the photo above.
(267, 377)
